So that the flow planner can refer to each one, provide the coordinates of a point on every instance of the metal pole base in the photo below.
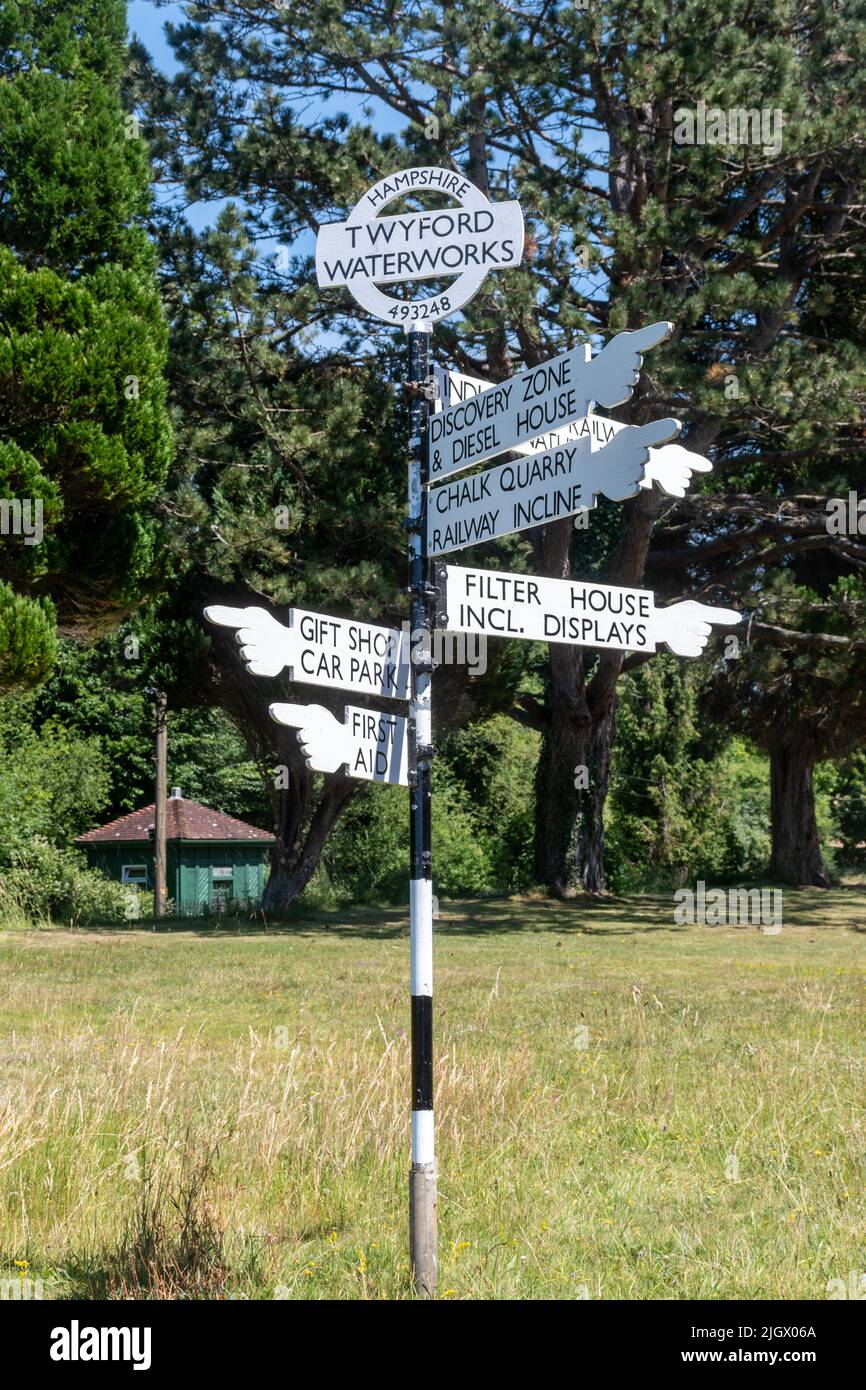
(422, 1229)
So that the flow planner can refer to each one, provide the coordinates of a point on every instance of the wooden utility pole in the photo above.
(161, 792)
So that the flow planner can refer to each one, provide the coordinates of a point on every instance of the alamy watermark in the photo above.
(703, 125)
(77, 1343)
(445, 648)
(854, 1287)
(714, 907)
(22, 516)
(846, 516)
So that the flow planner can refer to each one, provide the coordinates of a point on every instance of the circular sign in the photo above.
(467, 241)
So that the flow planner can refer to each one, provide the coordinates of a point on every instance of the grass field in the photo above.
(625, 1108)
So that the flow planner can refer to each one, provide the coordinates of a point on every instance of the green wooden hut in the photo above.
(211, 859)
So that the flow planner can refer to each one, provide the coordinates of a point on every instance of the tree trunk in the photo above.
(293, 860)
(796, 856)
(591, 811)
(571, 787)
(574, 764)
(578, 718)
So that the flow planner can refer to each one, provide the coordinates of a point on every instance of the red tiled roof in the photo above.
(185, 820)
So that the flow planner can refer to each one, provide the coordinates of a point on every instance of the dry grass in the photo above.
(191, 1114)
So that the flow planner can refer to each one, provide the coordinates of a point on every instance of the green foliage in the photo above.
(84, 429)
(482, 825)
(27, 639)
(492, 764)
(849, 806)
(366, 858)
(682, 805)
(102, 690)
(65, 145)
(75, 184)
(44, 883)
(81, 374)
(53, 781)
(463, 864)
(827, 818)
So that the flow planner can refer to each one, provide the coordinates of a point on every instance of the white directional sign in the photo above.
(670, 465)
(319, 650)
(541, 488)
(465, 241)
(368, 744)
(541, 398)
(576, 612)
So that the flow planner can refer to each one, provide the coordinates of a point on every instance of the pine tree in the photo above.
(84, 433)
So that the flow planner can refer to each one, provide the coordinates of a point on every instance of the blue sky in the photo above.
(147, 22)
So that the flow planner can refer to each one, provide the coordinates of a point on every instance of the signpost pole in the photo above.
(422, 1178)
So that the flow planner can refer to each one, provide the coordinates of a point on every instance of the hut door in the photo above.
(222, 892)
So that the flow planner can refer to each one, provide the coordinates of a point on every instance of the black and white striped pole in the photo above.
(422, 1178)
(370, 249)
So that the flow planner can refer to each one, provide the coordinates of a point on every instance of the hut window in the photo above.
(134, 873)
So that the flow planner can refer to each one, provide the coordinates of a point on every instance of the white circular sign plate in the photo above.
(466, 241)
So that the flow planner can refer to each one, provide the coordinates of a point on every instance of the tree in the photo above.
(786, 542)
(798, 692)
(633, 216)
(84, 434)
(53, 781)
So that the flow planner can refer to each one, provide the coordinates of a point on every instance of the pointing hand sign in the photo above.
(610, 377)
(619, 465)
(323, 739)
(672, 467)
(266, 646)
(684, 628)
(368, 744)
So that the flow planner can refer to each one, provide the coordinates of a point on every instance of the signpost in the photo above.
(363, 252)
(543, 487)
(467, 241)
(568, 458)
(542, 398)
(319, 650)
(573, 611)
(670, 465)
(422, 1172)
(368, 744)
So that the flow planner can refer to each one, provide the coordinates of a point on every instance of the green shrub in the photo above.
(686, 801)
(366, 859)
(462, 861)
(53, 782)
(491, 767)
(849, 806)
(43, 883)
